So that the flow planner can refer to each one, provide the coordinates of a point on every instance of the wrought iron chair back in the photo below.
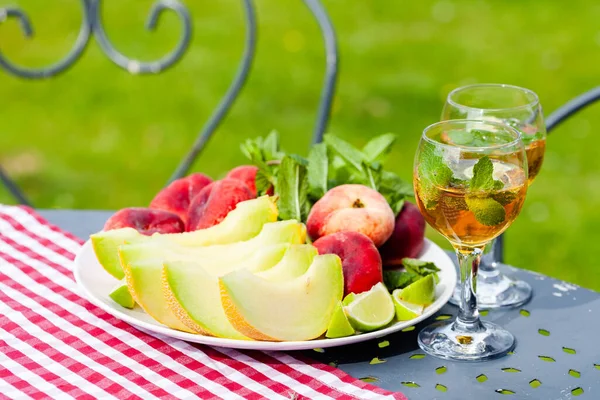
(92, 25)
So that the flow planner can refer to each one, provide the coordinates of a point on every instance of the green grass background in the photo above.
(97, 137)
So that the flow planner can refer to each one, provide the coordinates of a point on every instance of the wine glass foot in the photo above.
(498, 292)
(443, 340)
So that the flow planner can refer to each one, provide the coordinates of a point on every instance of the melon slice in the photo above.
(242, 223)
(144, 280)
(295, 262)
(193, 295)
(289, 231)
(298, 309)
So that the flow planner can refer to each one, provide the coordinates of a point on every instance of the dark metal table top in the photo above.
(557, 354)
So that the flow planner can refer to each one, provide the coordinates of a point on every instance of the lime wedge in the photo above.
(421, 292)
(120, 295)
(339, 326)
(349, 299)
(371, 310)
(405, 311)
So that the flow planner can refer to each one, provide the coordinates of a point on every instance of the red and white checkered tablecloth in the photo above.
(54, 344)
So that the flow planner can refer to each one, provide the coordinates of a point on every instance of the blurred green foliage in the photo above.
(98, 137)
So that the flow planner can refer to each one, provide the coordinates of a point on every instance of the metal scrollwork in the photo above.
(140, 67)
(92, 24)
(27, 29)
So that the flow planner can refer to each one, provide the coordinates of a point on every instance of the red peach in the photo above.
(177, 197)
(246, 174)
(214, 202)
(146, 221)
(408, 238)
(361, 262)
(352, 208)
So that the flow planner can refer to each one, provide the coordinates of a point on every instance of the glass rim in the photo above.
(534, 103)
(505, 127)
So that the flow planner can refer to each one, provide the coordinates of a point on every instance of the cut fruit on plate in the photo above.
(242, 223)
(193, 296)
(339, 326)
(371, 310)
(294, 310)
(145, 282)
(289, 231)
(120, 295)
(405, 311)
(421, 292)
(295, 262)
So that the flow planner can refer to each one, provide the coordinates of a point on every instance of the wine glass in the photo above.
(470, 179)
(519, 108)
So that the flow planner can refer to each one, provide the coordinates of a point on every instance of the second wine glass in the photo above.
(519, 108)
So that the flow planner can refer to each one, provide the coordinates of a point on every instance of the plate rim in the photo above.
(154, 328)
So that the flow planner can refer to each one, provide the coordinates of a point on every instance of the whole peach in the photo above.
(214, 202)
(145, 220)
(177, 197)
(361, 262)
(246, 174)
(408, 237)
(352, 208)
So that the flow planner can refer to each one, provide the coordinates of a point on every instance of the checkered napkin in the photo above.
(54, 344)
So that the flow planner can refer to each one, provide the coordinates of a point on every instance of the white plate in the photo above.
(96, 284)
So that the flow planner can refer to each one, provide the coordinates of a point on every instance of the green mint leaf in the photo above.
(483, 175)
(373, 174)
(263, 181)
(487, 211)
(346, 151)
(392, 183)
(270, 146)
(505, 197)
(379, 147)
(498, 185)
(459, 137)
(419, 267)
(394, 279)
(292, 189)
(433, 175)
(318, 170)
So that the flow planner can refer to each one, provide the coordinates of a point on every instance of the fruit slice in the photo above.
(339, 326)
(145, 281)
(289, 231)
(405, 311)
(349, 299)
(371, 310)
(242, 223)
(192, 295)
(192, 292)
(298, 309)
(421, 292)
(294, 263)
(105, 246)
(120, 295)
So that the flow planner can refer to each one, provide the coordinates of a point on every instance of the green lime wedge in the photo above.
(339, 326)
(371, 310)
(120, 295)
(405, 311)
(349, 299)
(421, 292)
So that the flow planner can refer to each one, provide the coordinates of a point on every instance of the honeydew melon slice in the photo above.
(289, 231)
(145, 280)
(242, 223)
(298, 309)
(295, 262)
(193, 295)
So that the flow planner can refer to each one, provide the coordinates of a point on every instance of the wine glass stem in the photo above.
(488, 269)
(468, 315)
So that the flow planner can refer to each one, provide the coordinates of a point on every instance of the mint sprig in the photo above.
(487, 211)
(414, 270)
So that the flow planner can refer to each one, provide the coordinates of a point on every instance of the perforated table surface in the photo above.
(557, 354)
